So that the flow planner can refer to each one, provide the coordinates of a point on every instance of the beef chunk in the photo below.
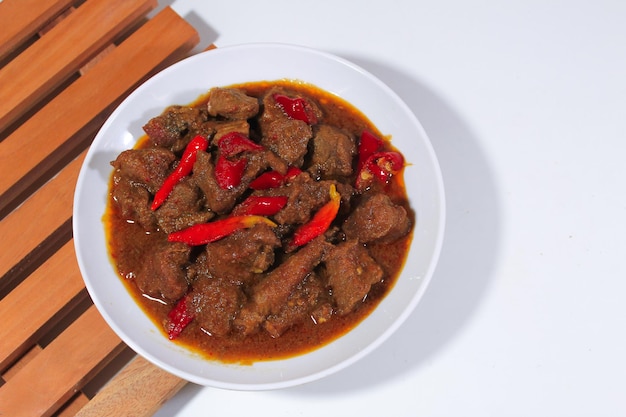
(148, 167)
(351, 271)
(243, 255)
(332, 153)
(232, 103)
(271, 293)
(215, 303)
(168, 129)
(182, 208)
(133, 202)
(289, 139)
(305, 196)
(162, 272)
(300, 305)
(377, 219)
(224, 127)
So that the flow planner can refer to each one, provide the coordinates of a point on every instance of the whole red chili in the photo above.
(269, 179)
(203, 233)
(182, 170)
(274, 179)
(257, 205)
(228, 174)
(321, 220)
(296, 108)
(179, 317)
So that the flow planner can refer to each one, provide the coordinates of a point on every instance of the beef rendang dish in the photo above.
(262, 221)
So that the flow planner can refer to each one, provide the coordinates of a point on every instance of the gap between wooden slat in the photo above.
(21, 19)
(64, 49)
(76, 113)
(37, 302)
(35, 220)
(49, 380)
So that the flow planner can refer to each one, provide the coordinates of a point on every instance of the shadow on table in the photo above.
(468, 256)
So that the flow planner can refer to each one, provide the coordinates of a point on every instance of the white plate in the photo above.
(182, 83)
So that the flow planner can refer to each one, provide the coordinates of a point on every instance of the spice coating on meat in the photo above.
(377, 219)
(332, 153)
(243, 255)
(232, 103)
(215, 303)
(169, 128)
(147, 167)
(163, 274)
(182, 208)
(270, 294)
(351, 272)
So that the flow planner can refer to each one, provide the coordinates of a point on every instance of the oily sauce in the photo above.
(128, 242)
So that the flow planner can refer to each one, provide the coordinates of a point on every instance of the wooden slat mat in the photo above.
(64, 66)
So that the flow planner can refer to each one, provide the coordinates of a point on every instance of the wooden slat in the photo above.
(138, 390)
(69, 120)
(21, 19)
(38, 217)
(36, 302)
(42, 67)
(54, 375)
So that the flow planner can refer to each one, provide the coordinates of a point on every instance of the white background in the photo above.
(525, 104)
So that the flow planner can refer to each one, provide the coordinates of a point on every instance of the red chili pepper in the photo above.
(257, 205)
(203, 233)
(292, 172)
(321, 220)
(182, 170)
(179, 317)
(379, 165)
(229, 173)
(296, 108)
(269, 179)
(234, 143)
(274, 179)
(368, 144)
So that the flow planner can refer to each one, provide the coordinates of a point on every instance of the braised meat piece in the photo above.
(224, 127)
(351, 272)
(289, 139)
(162, 272)
(133, 202)
(148, 167)
(243, 255)
(377, 219)
(305, 195)
(232, 103)
(270, 294)
(332, 153)
(215, 303)
(183, 208)
(169, 128)
(303, 301)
